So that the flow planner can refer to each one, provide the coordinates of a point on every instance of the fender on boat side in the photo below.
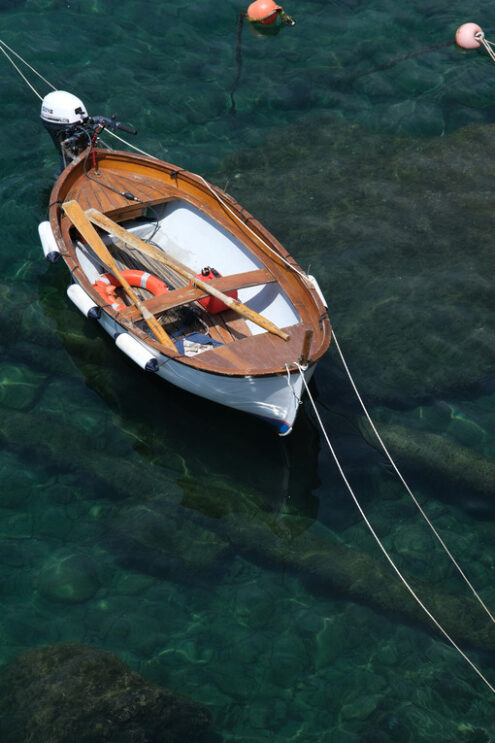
(48, 242)
(318, 290)
(83, 302)
(141, 355)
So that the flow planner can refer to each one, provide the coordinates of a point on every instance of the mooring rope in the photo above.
(401, 478)
(3, 47)
(487, 44)
(297, 399)
(480, 36)
(383, 548)
(133, 147)
(410, 55)
(304, 276)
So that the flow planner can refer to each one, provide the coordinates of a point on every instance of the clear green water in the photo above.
(186, 538)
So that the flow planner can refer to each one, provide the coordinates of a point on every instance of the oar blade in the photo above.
(88, 232)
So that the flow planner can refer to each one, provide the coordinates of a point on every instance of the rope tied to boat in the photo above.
(489, 45)
(131, 146)
(382, 547)
(290, 385)
(3, 48)
(406, 486)
(244, 222)
(303, 276)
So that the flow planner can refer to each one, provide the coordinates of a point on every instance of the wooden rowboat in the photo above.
(188, 283)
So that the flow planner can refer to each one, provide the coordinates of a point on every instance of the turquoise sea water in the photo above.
(211, 556)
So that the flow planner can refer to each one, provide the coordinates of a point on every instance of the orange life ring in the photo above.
(107, 285)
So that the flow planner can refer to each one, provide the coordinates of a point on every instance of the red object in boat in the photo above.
(213, 305)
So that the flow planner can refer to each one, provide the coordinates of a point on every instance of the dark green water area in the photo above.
(206, 554)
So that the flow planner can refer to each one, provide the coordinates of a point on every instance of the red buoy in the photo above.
(465, 36)
(263, 11)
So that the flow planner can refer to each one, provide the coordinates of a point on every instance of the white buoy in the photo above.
(48, 242)
(465, 36)
(140, 355)
(83, 302)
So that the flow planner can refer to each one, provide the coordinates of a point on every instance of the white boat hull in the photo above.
(193, 230)
(275, 399)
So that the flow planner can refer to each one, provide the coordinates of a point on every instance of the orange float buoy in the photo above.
(263, 11)
(465, 36)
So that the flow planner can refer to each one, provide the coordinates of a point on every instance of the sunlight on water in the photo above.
(211, 557)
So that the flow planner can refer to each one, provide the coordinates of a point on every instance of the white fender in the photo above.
(319, 291)
(83, 302)
(48, 242)
(140, 355)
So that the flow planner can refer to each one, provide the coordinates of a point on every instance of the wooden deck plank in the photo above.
(90, 193)
(257, 352)
(146, 189)
(164, 181)
(235, 325)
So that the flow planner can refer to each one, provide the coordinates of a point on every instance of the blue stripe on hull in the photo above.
(282, 428)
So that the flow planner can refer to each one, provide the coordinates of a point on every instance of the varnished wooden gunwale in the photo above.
(154, 182)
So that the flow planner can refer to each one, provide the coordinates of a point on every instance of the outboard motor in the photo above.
(64, 117)
(68, 124)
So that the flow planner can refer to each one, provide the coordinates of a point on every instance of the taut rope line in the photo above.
(225, 206)
(480, 36)
(3, 47)
(382, 547)
(416, 502)
(133, 147)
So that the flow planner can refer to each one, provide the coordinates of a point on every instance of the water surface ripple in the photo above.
(211, 557)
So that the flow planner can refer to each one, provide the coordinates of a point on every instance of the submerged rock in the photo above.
(442, 455)
(148, 515)
(398, 234)
(159, 539)
(70, 692)
(327, 565)
(68, 578)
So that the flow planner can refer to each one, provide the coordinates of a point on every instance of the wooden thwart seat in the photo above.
(256, 352)
(113, 228)
(187, 294)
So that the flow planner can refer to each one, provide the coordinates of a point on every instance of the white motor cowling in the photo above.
(60, 107)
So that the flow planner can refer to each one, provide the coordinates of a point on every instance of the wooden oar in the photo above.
(86, 229)
(113, 228)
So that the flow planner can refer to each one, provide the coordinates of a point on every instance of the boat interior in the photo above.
(197, 325)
